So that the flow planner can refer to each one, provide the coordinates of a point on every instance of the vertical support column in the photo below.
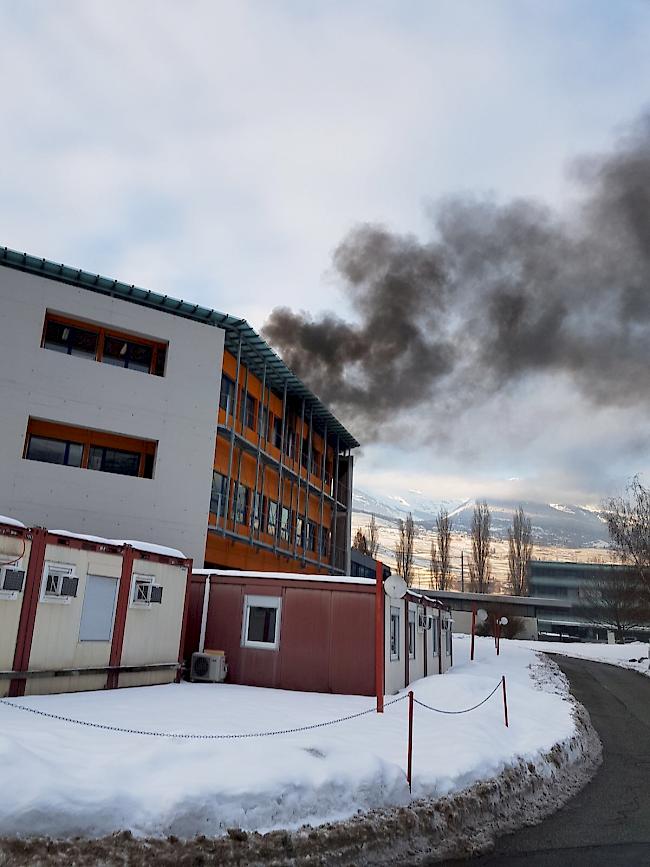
(380, 632)
(407, 662)
(471, 653)
(409, 760)
(278, 522)
(336, 501)
(304, 528)
(232, 441)
(257, 502)
(28, 609)
(239, 456)
(307, 481)
(322, 495)
(186, 610)
(121, 610)
(505, 700)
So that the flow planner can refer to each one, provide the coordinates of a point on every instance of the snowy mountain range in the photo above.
(555, 524)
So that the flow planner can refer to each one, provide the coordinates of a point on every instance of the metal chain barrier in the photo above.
(204, 737)
(465, 710)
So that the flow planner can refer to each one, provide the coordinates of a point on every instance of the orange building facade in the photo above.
(281, 486)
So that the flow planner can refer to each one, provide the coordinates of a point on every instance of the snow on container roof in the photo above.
(147, 547)
(287, 576)
(11, 522)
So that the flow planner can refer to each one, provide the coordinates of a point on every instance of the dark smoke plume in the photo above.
(500, 292)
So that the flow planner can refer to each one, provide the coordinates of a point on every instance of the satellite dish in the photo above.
(481, 615)
(395, 587)
(503, 621)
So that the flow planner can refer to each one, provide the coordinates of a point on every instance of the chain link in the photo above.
(203, 737)
(466, 710)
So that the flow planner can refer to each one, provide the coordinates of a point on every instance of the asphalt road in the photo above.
(608, 822)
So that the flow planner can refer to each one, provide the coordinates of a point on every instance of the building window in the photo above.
(285, 524)
(52, 451)
(394, 633)
(218, 495)
(59, 583)
(227, 394)
(411, 634)
(247, 411)
(242, 505)
(272, 518)
(114, 461)
(277, 432)
(448, 633)
(434, 636)
(324, 541)
(144, 591)
(261, 622)
(62, 444)
(258, 510)
(101, 344)
(70, 339)
(300, 532)
(316, 458)
(311, 536)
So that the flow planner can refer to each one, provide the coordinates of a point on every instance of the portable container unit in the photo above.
(314, 633)
(87, 613)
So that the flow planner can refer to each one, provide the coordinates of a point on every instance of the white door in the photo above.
(98, 610)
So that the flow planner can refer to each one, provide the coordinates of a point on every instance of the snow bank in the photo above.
(633, 656)
(11, 522)
(62, 779)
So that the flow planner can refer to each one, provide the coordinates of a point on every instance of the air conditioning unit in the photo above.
(11, 582)
(208, 667)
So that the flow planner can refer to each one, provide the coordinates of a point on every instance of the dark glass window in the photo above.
(300, 532)
(315, 462)
(70, 339)
(247, 411)
(272, 517)
(114, 461)
(261, 624)
(159, 364)
(258, 510)
(277, 432)
(289, 441)
(241, 508)
(311, 536)
(125, 353)
(227, 395)
(324, 541)
(218, 494)
(53, 451)
(285, 524)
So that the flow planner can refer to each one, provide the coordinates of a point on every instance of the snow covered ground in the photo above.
(64, 779)
(633, 656)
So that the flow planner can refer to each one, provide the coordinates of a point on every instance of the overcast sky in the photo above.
(219, 152)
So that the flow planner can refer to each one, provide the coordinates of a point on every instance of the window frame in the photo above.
(138, 578)
(394, 643)
(66, 570)
(157, 347)
(412, 632)
(255, 601)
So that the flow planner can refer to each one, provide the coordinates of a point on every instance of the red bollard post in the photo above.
(471, 656)
(409, 763)
(505, 700)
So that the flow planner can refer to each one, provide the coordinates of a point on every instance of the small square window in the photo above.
(412, 633)
(60, 583)
(141, 590)
(261, 622)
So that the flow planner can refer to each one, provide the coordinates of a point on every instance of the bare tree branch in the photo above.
(440, 559)
(520, 549)
(404, 548)
(479, 562)
(372, 537)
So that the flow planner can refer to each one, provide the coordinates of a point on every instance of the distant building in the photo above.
(364, 566)
(561, 580)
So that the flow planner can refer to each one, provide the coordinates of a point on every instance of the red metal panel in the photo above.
(352, 657)
(120, 616)
(305, 640)
(194, 613)
(28, 609)
(223, 627)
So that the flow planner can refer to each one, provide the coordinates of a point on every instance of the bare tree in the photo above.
(372, 537)
(479, 561)
(440, 564)
(614, 598)
(628, 522)
(520, 549)
(404, 548)
(360, 542)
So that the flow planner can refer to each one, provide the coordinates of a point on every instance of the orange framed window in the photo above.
(85, 340)
(67, 445)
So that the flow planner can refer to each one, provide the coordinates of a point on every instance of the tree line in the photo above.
(615, 598)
